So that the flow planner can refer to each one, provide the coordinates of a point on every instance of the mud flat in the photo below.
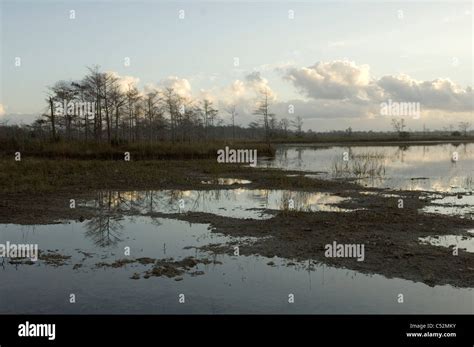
(369, 216)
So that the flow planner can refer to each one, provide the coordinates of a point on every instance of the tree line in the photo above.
(99, 108)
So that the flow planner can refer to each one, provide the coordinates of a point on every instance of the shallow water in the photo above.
(227, 181)
(237, 203)
(460, 242)
(458, 205)
(235, 284)
(431, 168)
(239, 285)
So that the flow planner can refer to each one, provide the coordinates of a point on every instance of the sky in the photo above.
(335, 63)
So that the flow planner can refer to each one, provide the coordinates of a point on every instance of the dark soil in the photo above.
(390, 235)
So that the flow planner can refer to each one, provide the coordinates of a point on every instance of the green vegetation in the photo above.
(42, 175)
(373, 138)
(138, 151)
(361, 166)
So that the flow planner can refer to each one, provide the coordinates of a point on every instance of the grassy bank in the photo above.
(49, 175)
(38, 176)
(374, 139)
(138, 151)
(193, 151)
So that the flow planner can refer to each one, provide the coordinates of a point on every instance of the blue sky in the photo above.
(431, 41)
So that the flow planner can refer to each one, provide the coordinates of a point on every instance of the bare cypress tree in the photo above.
(94, 84)
(285, 124)
(233, 112)
(297, 123)
(151, 105)
(263, 110)
(107, 81)
(133, 96)
(464, 127)
(117, 100)
(209, 114)
(52, 118)
(65, 93)
(81, 90)
(171, 104)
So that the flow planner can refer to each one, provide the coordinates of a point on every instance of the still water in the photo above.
(231, 285)
(441, 167)
(237, 284)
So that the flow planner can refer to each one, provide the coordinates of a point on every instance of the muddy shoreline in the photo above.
(390, 234)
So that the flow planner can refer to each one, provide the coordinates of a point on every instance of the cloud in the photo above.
(275, 66)
(350, 88)
(245, 94)
(440, 94)
(181, 86)
(256, 84)
(248, 90)
(326, 109)
(330, 92)
(339, 79)
(124, 82)
(334, 91)
(2, 110)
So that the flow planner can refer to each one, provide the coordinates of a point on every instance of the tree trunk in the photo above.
(53, 125)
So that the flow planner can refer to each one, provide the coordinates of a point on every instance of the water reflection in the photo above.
(237, 203)
(227, 181)
(461, 205)
(369, 165)
(450, 241)
(437, 163)
(244, 284)
(105, 228)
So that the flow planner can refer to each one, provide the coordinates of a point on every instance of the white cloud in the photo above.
(349, 89)
(339, 79)
(327, 109)
(245, 94)
(334, 93)
(2, 110)
(124, 82)
(247, 90)
(181, 86)
(256, 84)
(441, 94)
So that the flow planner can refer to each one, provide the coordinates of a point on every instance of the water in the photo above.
(458, 205)
(430, 168)
(227, 181)
(235, 285)
(461, 242)
(235, 203)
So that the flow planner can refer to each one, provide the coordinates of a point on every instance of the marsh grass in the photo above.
(138, 151)
(365, 165)
(46, 175)
(469, 183)
(300, 202)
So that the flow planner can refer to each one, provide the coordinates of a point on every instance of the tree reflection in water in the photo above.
(105, 229)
